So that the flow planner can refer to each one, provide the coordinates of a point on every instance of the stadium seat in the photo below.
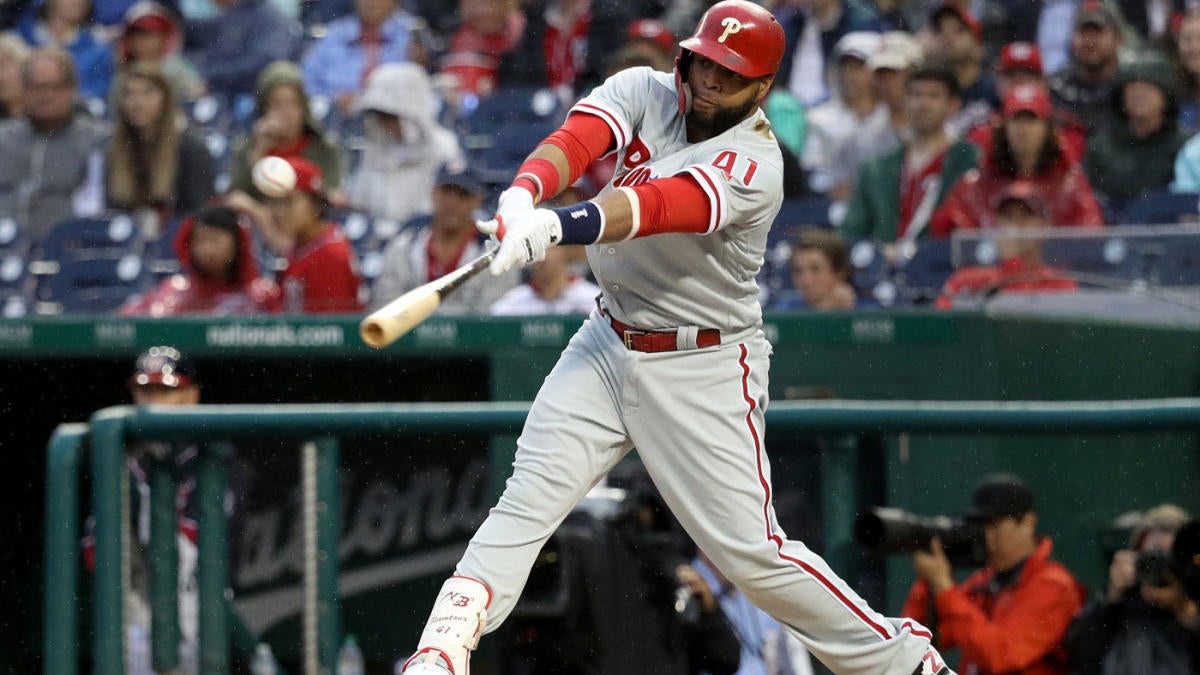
(498, 162)
(84, 238)
(159, 253)
(1109, 259)
(516, 105)
(93, 285)
(1163, 208)
(922, 276)
(803, 212)
(12, 239)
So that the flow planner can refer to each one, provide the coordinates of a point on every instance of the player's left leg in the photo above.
(699, 430)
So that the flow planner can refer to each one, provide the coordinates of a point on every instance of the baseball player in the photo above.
(673, 360)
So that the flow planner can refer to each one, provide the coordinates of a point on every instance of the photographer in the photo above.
(1144, 622)
(1010, 615)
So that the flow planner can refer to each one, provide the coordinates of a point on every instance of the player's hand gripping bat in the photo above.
(392, 321)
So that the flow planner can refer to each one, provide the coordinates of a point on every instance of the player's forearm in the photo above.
(563, 156)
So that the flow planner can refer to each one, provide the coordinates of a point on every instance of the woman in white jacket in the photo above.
(405, 148)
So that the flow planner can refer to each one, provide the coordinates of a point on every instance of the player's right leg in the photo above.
(572, 437)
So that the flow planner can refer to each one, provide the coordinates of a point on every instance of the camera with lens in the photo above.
(1155, 568)
(886, 530)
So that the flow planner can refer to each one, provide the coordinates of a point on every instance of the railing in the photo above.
(110, 431)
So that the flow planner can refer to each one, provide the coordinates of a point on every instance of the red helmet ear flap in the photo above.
(683, 62)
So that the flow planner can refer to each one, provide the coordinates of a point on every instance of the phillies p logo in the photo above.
(732, 26)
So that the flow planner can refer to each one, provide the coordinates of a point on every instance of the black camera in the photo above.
(1155, 568)
(889, 530)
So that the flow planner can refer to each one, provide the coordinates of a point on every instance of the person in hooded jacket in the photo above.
(405, 148)
(220, 273)
(285, 127)
(150, 36)
(1133, 153)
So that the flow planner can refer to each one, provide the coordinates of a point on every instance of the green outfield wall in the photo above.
(62, 370)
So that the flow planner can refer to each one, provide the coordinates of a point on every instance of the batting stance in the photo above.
(673, 360)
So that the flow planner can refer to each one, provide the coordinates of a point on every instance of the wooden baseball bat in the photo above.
(392, 321)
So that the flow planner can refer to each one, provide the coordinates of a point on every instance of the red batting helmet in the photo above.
(736, 34)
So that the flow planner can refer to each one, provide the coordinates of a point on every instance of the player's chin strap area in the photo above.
(683, 61)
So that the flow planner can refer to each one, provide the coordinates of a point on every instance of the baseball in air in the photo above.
(273, 176)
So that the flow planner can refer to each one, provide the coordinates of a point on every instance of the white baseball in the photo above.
(273, 176)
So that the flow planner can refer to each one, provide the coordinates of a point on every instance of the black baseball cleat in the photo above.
(932, 664)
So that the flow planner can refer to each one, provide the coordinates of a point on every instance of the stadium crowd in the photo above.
(131, 127)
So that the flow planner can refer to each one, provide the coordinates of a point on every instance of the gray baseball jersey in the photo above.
(696, 415)
(672, 280)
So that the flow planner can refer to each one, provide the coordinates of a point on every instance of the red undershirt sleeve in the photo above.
(673, 204)
(583, 138)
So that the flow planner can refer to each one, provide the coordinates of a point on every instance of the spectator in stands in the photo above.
(1021, 63)
(405, 148)
(152, 37)
(551, 288)
(651, 35)
(811, 30)
(1133, 153)
(898, 191)
(1020, 208)
(1009, 616)
(830, 154)
(13, 55)
(1144, 622)
(285, 127)
(890, 66)
(232, 48)
(489, 30)
(767, 647)
(421, 254)
(1084, 88)
(957, 43)
(68, 24)
(1187, 167)
(1187, 49)
(565, 43)
(1027, 149)
(820, 269)
(340, 63)
(219, 271)
(154, 163)
(322, 272)
(54, 156)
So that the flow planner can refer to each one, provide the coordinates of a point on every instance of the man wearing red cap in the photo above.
(152, 36)
(1021, 63)
(1025, 148)
(322, 272)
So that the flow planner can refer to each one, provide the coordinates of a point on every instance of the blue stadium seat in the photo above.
(804, 212)
(93, 285)
(1163, 208)
(922, 276)
(516, 105)
(82, 238)
(209, 113)
(1108, 257)
(159, 253)
(12, 238)
(497, 163)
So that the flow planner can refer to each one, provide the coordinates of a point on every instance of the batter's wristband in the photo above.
(582, 223)
(542, 174)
